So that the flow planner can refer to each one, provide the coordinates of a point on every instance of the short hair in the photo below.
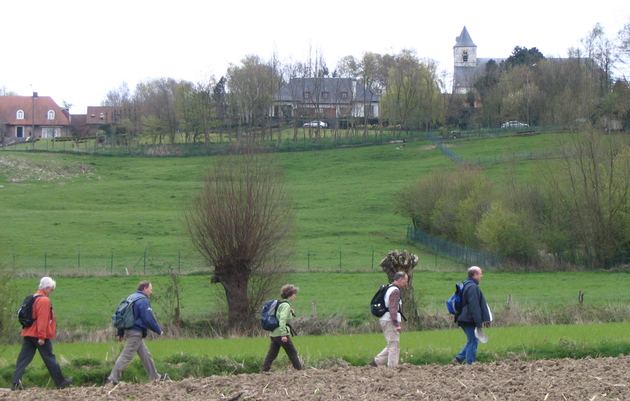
(143, 285)
(288, 290)
(399, 275)
(472, 270)
(47, 282)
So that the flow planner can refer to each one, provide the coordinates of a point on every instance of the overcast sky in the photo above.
(76, 50)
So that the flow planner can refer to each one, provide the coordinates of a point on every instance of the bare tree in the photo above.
(240, 223)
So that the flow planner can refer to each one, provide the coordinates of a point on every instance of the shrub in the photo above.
(506, 233)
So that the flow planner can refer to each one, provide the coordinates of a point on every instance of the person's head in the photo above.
(401, 279)
(47, 285)
(475, 273)
(146, 288)
(289, 291)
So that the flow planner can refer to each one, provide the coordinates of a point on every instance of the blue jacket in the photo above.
(144, 318)
(475, 311)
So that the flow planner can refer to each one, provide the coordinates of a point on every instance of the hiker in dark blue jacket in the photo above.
(475, 313)
(144, 320)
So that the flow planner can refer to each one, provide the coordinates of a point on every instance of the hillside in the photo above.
(91, 213)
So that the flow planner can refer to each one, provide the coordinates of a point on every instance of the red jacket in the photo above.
(45, 326)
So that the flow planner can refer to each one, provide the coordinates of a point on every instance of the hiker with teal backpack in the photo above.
(276, 318)
(132, 319)
(471, 311)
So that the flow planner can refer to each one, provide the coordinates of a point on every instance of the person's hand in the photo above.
(41, 342)
(285, 339)
(399, 328)
(161, 333)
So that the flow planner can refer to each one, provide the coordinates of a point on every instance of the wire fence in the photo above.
(152, 261)
(461, 253)
(302, 143)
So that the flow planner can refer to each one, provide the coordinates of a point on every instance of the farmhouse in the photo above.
(333, 100)
(34, 116)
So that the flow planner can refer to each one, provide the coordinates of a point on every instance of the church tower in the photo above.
(465, 54)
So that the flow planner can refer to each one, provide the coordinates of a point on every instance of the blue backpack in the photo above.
(268, 319)
(455, 303)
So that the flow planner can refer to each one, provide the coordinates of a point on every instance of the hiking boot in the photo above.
(110, 382)
(65, 384)
(163, 378)
(17, 386)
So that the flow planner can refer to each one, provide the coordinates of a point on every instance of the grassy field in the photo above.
(89, 213)
(89, 302)
(344, 202)
(89, 363)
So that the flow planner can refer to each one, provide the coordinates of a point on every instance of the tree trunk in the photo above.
(235, 285)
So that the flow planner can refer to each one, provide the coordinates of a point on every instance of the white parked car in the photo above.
(315, 124)
(514, 124)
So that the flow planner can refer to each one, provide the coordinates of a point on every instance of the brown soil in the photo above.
(556, 380)
(17, 169)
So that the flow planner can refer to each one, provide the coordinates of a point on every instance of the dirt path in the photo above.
(557, 380)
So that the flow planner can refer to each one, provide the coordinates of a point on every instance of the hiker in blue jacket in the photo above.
(144, 320)
(475, 313)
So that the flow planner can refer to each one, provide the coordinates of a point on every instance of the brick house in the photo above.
(34, 116)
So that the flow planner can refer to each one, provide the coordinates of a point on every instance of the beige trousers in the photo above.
(135, 344)
(391, 353)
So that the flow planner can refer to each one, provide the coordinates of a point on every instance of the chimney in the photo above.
(34, 95)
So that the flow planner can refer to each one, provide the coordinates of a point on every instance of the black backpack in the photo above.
(25, 313)
(377, 305)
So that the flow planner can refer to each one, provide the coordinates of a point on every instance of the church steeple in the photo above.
(465, 50)
(464, 39)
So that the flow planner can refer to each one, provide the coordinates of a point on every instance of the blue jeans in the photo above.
(469, 352)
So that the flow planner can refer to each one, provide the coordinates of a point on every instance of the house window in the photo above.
(344, 95)
(102, 116)
(51, 114)
(19, 115)
(325, 95)
(465, 56)
(307, 95)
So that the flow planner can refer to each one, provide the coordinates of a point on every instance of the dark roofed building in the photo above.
(326, 99)
(33, 116)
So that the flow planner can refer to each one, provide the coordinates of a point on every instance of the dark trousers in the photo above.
(274, 348)
(29, 347)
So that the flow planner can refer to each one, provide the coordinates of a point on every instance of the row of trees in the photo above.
(550, 91)
(576, 211)
(241, 102)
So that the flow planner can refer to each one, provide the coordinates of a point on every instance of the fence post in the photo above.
(179, 261)
(79, 260)
(145, 261)
(372, 258)
(111, 263)
(339, 260)
(308, 260)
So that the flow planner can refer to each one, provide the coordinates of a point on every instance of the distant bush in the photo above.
(507, 233)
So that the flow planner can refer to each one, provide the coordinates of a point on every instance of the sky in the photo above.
(77, 50)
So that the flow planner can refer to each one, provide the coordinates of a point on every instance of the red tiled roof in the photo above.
(9, 106)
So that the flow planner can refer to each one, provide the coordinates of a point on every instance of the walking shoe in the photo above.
(163, 378)
(65, 384)
(109, 382)
(373, 364)
(17, 386)
(456, 361)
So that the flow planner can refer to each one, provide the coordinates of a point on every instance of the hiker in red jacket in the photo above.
(38, 336)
